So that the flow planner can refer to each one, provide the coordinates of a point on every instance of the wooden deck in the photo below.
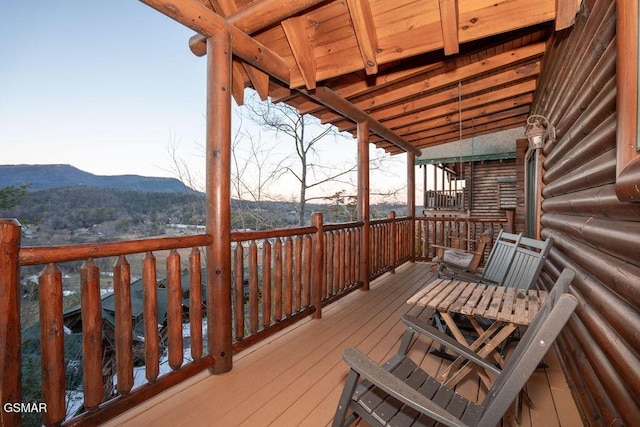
(295, 378)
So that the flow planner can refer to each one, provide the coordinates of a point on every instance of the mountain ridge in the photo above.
(50, 176)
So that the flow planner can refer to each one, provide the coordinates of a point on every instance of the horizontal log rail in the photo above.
(278, 278)
(36, 255)
(440, 231)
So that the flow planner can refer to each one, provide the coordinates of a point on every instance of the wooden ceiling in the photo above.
(422, 72)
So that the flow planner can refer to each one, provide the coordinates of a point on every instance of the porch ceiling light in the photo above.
(539, 131)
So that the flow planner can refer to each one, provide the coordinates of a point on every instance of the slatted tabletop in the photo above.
(477, 299)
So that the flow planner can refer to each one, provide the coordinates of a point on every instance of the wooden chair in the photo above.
(469, 260)
(399, 392)
(497, 266)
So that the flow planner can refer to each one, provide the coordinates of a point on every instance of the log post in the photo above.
(364, 202)
(10, 340)
(218, 164)
(411, 200)
(318, 264)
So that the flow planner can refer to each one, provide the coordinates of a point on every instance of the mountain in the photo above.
(44, 177)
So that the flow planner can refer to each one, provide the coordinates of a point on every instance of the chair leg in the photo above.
(441, 353)
(340, 417)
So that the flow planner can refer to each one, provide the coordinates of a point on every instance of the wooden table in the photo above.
(507, 308)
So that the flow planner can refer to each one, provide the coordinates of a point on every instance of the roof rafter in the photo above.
(302, 49)
(449, 22)
(365, 30)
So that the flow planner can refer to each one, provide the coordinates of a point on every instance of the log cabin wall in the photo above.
(594, 233)
(494, 188)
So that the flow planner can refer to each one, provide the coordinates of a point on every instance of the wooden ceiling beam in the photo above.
(256, 16)
(194, 15)
(449, 23)
(365, 30)
(374, 83)
(410, 111)
(302, 49)
(469, 124)
(495, 62)
(485, 129)
(330, 99)
(508, 92)
(454, 118)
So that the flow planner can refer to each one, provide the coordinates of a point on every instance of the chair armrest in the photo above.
(459, 273)
(395, 387)
(424, 328)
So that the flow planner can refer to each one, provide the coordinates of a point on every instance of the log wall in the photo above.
(595, 234)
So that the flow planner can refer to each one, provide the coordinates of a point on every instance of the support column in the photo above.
(363, 202)
(218, 163)
(10, 340)
(411, 201)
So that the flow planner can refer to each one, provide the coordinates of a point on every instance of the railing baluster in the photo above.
(124, 325)
(308, 254)
(91, 335)
(266, 283)
(174, 310)
(328, 256)
(150, 302)
(52, 343)
(288, 276)
(195, 303)
(348, 263)
(278, 284)
(298, 272)
(253, 288)
(356, 255)
(239, 291)
(341, 260)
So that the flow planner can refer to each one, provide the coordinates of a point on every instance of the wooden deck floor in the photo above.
(295, 378)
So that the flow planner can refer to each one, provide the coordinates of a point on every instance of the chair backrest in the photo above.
(501, 257)
(527, 263)
(484, 239)
(535, 343)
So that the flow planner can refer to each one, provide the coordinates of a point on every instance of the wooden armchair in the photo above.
(400, 392)
(497, 265)
(469, 260)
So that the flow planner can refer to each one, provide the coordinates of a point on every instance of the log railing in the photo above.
(432, 231)
(272, 281)
(278, 277)
(390, 244)
(342, 255)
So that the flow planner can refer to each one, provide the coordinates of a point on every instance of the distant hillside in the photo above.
(44, 177)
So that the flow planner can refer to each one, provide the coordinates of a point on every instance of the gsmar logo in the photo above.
(25, 407)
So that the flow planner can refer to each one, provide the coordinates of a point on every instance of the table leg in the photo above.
(489, 347)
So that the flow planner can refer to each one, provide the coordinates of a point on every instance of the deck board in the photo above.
(295, 377)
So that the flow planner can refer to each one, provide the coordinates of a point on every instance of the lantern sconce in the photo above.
(539, 131)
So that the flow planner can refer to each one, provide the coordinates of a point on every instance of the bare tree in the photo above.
(304, 132)
(255, 167)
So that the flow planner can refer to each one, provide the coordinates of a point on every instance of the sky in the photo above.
(109, 87)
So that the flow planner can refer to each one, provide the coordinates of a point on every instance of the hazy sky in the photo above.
(105, 86)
